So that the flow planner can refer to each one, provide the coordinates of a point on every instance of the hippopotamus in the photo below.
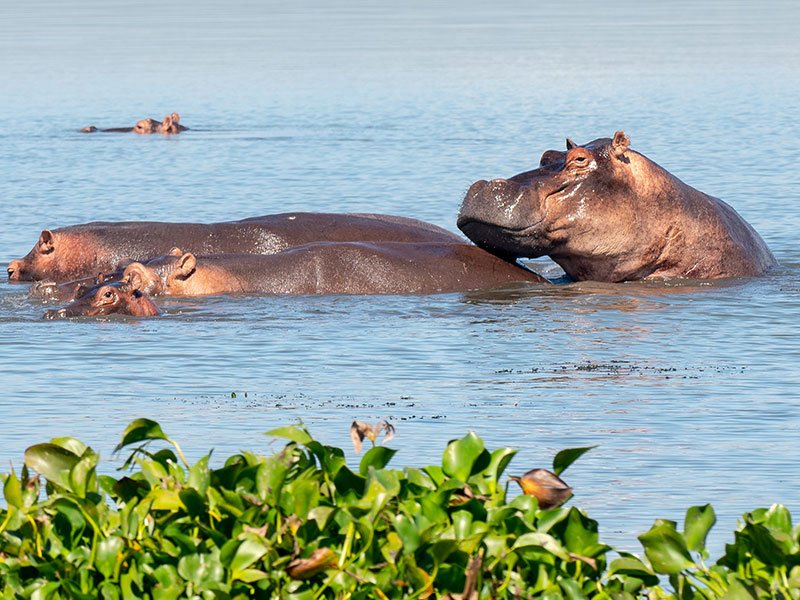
(331, 268)
(170, 124)
(84, 250)
(71, 290)
(112, 298)
(604, 212)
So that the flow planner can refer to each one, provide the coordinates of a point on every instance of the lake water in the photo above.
(690, 391)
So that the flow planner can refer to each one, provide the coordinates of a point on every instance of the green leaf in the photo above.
(248, 552)
(165, 499)
(201, 568)
(462, 524)
(82, 476)
(580, 534)
(377, 457)
(460, 456)
(699, 520)
(497, 466)
(199, 475)
(541, 540)
(109, 552)
(764, 546)
(665, 548)
(75, 446)
(295, 434)
(194, 503)
(54, 462)
(632, 566)
(566, 457)
(778, 519)
(13, 491)
(140, 430)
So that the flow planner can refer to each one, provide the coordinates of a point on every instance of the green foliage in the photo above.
(301, 524)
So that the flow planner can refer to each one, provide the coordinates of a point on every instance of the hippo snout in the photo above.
(61, 313)
(14, 270)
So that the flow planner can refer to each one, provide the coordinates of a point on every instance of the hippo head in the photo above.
(147, 126)
(153, 277)
(583, 207)
(70, 290)
(38, 263)
(60, 255)
(171, 124)
(114, 298)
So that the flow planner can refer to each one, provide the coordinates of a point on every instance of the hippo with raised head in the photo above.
(331, 268)
(106, 299)
(85, 250)
(604, 212)
(170, 124)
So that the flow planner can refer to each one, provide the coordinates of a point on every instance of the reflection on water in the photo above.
(689, 389)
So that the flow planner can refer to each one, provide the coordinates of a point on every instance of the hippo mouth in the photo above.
(525, 242)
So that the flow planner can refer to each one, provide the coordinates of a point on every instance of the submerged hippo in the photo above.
(331, 268)
(85, 250)
(170, 124)
(607, 213)
(106, 299)
(70, 290)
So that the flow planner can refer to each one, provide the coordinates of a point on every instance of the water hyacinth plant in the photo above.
(302, 524)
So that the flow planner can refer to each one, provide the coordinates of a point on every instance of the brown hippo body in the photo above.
(331, 268)
(604, 212)
(170, 124)
(85, 250)
(106, 299)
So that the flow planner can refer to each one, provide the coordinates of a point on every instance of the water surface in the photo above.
(688, 390)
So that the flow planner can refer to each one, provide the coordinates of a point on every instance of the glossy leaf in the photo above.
(53, 462)
(295, 434)
(699, 520)
(109, 553)
(566, 457)
(665, 548)
(12, 490)
(140, 430)
(377, 457)
(248, 552)
(460, 456)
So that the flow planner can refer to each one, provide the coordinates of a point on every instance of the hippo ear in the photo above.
(176, 118)
(185, 266)
(571, 144)
(175, 252)
(134, 279)
(46, 245)
(620, 144)
(166, 124)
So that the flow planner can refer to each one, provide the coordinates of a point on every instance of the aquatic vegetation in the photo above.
(302, 524)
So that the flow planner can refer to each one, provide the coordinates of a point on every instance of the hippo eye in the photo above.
(108, 295)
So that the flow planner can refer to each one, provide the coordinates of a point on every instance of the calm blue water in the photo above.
(690, 392)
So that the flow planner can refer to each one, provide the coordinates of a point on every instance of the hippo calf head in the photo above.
(582, 202)
(114, 298)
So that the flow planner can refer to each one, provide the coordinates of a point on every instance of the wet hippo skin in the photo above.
(170, 125)
(331, 268)
(604, 212)
(85, 250)
(107, 299)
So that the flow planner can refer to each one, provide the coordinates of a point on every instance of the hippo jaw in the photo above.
(505, 219)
